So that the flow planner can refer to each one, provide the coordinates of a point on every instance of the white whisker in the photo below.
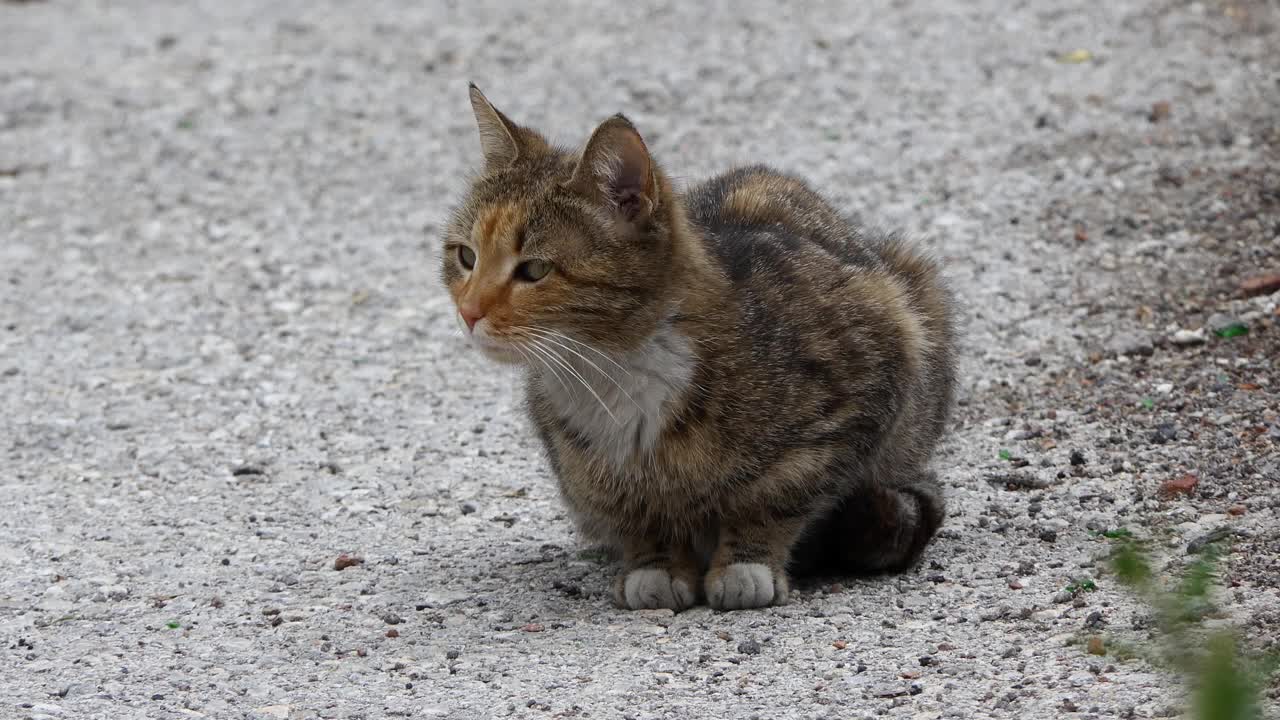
(562, 336)
(598, 369)
(568, 367)
(549, 368)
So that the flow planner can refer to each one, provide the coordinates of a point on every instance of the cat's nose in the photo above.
(471, 315)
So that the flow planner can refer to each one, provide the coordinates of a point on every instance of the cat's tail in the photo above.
(881, 529)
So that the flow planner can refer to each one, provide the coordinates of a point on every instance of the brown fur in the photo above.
(729, 382)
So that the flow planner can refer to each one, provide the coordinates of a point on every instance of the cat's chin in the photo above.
(498, 353)
(505, 357)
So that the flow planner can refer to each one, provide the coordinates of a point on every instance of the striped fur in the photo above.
(730, 383)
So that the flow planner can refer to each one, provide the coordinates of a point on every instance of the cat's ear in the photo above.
(501, 140)
(616, 169)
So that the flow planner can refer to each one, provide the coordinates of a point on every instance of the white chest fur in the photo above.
(618, 404)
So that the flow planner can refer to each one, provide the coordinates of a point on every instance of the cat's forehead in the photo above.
(525, 199)
(528, 180)
(500, 226)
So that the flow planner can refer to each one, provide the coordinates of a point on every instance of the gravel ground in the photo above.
(226, 361)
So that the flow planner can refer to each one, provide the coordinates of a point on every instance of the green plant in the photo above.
(1225, 678)
(1080, 585)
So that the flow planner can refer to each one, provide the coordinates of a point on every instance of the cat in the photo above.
(732, 383)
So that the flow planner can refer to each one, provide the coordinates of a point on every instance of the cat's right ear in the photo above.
(501, 140)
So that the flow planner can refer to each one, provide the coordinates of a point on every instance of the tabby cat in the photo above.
(731, 382)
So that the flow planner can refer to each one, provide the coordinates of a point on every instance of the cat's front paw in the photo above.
(745, 585)
(653, 588)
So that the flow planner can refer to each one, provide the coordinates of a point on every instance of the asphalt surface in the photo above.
(226, 359)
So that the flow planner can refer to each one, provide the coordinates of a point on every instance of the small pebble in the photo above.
(1219, 322)
(890, 690)
(345, 561)
(1198, 545)
(1179, 486)
(749, 647)
(994, 613)
(1132, 346)
(1165, 432)
(1187, 338)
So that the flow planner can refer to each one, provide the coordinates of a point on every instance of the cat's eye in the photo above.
(533, 270)
(467, 257)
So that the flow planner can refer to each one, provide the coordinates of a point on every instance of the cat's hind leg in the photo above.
(881, 528)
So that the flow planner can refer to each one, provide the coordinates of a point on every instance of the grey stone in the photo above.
(1131, 345)
(1189, 337)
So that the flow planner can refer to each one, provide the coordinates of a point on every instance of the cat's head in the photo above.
(548, 247)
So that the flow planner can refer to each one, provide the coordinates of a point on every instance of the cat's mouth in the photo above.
(498, 349)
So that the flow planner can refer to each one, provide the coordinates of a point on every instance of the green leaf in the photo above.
(1233, 330)
(1198, 578)
(1006, 455)
(1130, 565)
(1148, 403)
(1081, 585)
(173, 625)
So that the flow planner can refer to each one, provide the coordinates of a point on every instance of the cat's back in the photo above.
(760, 221)
(822, 297)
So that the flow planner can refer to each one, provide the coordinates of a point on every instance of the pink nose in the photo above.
(471, 316)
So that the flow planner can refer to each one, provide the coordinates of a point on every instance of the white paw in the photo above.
(745, 585)
(652, 588)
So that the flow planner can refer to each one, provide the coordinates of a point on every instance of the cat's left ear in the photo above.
(616, 169)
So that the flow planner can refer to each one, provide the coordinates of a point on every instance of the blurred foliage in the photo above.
(1225, 678)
